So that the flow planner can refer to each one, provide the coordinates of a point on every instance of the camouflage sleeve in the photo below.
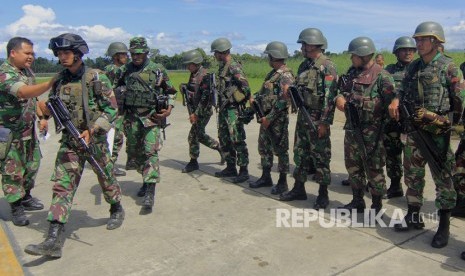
(330, 92)
(204, 89)
(455, 82)
(239, 77)
(118, 76)
(10, 82)
(386, 89)
(168, 87)
(282, 103)
(106, 103)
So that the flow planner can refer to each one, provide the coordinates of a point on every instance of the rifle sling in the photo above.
(85, 99)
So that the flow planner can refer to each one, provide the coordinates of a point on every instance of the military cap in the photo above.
(138, 45)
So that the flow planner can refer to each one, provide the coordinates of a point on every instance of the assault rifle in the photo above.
(355, 126)
(298, 103)
(422, 139)
(162, 103)
(186, 100)
(62, 119)
(213, 92)
(257, 107)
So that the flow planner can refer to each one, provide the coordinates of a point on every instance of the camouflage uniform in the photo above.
(20, 166)
(199, 86)
(111, 72)
(438, 81)
(69, 163)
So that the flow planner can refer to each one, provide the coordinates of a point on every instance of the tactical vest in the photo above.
(142, 92)
(311, 83)
(194, 85)
(228, 91)
(397, 72)
(71, 95)
(369, 103)
(271, 90)
(428, 85)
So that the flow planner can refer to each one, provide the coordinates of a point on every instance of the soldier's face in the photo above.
(138, 59)
(121, 58)
(23, 57)
(425, 44)
(310, 51)
(357, 61)
(405, 55)
(66, 57)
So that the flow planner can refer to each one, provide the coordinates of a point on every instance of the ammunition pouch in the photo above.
(6, 137)
(312, 100)
(140, 98)
(120, 94)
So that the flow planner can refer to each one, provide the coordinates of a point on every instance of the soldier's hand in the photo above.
(163, 113)
(340, 103)
(265, 122)
(322, 130)
(394, 109)
(43, 126)
(193, 118)
(86, 135)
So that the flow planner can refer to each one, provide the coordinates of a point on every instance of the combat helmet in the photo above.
(192, 56)
(220, 45)
(362, 46)
(404, 42)
(277, 50)
(116, 47)
(68, 41)
(430, 28)
(312, 36)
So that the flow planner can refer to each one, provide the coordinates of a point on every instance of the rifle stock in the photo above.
(186, 100)
(298, 103)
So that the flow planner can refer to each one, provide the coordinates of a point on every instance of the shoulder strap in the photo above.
(85, 94)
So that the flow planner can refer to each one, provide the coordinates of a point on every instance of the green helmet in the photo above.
(312, 36)
(362, 46)
(116, 47)
(325, 44)
(404, 42)
(192, 56)
(430, 28)
(220, 45)
(138, 45)
(277, 50)
(68, 41)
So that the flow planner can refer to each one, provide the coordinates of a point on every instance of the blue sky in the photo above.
(179, 25)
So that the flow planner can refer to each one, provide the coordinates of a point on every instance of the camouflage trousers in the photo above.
(142, 145)
(19, 168)
(232, 137)
(376, 156)
(309, 148)
(69, 166)
(119, 138)
(414, 174)
(275, 141)
(459, 175)
(393, 147)
(198, 136)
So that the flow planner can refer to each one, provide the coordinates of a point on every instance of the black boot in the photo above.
(116, 216)
(243, 175)
(345, 182)
(281, 187)
(322, 200)
(149, 198)
(191, 166)
(142, 190)
(30, 203)
(412, 220)
(297, 193)
(376, 203)
(118, 172)
(131, 164)
(357, 201)
(462, 255)
(18, 217)
(52, 244)
(459, 209)
(441, 238)
(264, 181)
(229, 171)
(395, 190)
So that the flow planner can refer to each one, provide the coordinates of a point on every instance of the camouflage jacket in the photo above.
(111, 71)
(272, 97)
(199, 86)
(231, 77)
(16, 114)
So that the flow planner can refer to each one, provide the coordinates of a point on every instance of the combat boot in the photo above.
(412, 220)
(357, 201)
(142, 190)
(264, 181)
(297, 193)
(345, 182)
(281, 187)
(116, 216)
(395, 190)
(131, 164)
(376, 203)
(243, 175)
(459, 209)
(191, 166)
(322, 200)
(118, 172)
(18, 217)
(149, 198)
(441, 238)
(52, 244)
(30, 203)
(229, 171)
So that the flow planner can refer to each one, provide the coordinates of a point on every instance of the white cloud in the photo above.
(455, 36)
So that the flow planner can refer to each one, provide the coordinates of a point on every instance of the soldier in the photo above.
(118, 52)
(404, 49)
(233, 92)
(273, 100)
(429, 84)
(316, 81)
(199, 102)
(19, 146)
(365, 92)
(149, 98)
(379, 59)
(87, 94)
